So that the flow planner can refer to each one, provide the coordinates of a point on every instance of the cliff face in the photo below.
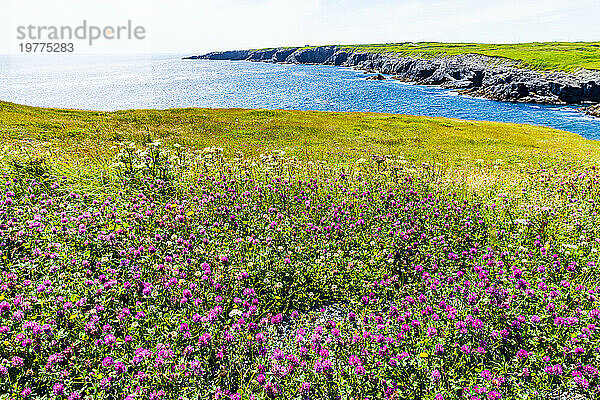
(477, 75)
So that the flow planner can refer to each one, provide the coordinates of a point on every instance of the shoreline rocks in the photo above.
(377, 77)
(594, 111)
(472, 74)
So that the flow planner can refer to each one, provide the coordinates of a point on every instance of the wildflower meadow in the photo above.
(200, 273)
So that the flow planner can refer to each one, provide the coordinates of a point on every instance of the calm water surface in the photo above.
(125, 82)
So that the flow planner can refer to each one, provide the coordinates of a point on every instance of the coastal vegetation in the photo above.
(545, 56)
(259, 254)
(555, 56)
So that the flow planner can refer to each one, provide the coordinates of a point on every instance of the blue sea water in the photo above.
(107, 83)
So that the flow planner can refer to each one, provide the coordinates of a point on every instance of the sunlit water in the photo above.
(125, 82)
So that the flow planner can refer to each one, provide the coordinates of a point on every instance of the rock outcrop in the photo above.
(593, 110)
(377, 77)
(477, 75)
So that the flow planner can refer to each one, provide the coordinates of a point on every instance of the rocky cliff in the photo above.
(477, 75)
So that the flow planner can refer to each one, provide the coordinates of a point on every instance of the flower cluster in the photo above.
(261, 279)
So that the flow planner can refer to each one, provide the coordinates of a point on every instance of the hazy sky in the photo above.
(192, 26)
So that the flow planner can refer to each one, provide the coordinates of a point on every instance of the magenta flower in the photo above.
(522, 354)
(554, 369)
(494, 395)
(74, 396)
(110, 340)
(354, 360)
(120, 367)
(58, 389)
(580, 380)
(204, 339)
(305, 387)
(260, 338)
(17, 361)
(277, 319)
(322, 365)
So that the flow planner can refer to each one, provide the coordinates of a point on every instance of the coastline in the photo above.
(476, 75)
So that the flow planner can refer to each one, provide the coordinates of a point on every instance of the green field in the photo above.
(74, 138)
(254, 254)
(559, 56)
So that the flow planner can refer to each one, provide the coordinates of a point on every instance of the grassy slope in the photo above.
(84, 142)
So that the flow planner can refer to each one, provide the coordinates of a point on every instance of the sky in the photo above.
(198, 26)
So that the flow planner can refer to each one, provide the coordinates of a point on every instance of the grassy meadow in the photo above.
(254, 254)
(83, 144)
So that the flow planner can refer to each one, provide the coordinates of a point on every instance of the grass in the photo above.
(76, 138)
